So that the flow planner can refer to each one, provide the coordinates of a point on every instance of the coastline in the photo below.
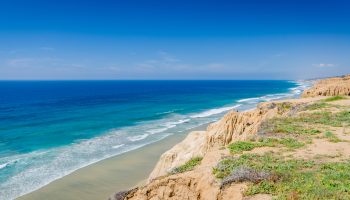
(232, 158)
(109, 175)
(104, 176)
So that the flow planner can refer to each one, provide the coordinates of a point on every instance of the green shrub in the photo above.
(240, 146)
(188, 166)
(331, 137)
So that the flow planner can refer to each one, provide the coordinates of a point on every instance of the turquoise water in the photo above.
(48, 129)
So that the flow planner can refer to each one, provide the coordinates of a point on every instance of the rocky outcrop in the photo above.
(330, 87)
(191, 146)
(196, 184)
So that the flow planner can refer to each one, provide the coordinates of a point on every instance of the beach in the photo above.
(102, 179)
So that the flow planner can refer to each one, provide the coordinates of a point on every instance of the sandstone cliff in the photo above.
(330, 87)
(233, 126)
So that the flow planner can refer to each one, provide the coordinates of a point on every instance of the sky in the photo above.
(173, 39)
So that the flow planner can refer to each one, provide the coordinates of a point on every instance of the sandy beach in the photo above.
(102, 179)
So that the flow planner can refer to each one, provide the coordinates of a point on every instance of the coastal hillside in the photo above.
(288, 149)
(330, 87)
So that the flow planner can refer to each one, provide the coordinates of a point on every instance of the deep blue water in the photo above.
(56, 127)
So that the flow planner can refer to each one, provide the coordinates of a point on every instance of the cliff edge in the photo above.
(330, 87)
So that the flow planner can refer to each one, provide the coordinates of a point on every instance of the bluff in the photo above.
(330, 87)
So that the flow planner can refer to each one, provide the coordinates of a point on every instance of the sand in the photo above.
(102, 179)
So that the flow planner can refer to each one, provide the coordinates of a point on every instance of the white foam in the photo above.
(166, 112)
(117, 146)
(167, 125)
(137, 137)
(157, 130)
(248, 99)
(3, 165)
(214, 111)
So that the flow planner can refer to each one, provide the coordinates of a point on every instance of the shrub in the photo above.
(331, 137)
(240, 146)
(188, 166)
(244, 173)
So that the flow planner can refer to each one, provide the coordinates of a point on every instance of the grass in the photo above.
(316, 106)
(290, 179)
(188, 166)
(291, 143)
(299, 125)
(326, 118)
(331, 137)
(335, 98)
(240, 146)
(290, 125)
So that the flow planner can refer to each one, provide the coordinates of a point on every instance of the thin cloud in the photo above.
(322, 65)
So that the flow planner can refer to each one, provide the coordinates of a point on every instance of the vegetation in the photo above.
(290, 125)
(188, 166)
(284, 106)
(331, 137)
(287, 179)
(335, 98)
(240, 146)
(317, 106)
(326, 118)
(301, 124)
(291, 143)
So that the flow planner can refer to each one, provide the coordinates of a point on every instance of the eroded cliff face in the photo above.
(330, 87)
(233, 126)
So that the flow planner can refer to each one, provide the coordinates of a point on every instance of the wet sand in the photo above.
(100, 180)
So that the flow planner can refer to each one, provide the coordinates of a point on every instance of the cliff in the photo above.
(201, 183)
(330, 87)
(233, 126)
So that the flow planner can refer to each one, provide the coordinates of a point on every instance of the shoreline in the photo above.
(109, 175)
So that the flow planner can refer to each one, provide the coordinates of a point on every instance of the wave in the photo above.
(293, 92)
(137, 137)
(167, 126)
(214, 111)
(4, 165)
(117, 146)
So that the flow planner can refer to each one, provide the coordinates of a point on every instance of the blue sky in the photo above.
(173, 39)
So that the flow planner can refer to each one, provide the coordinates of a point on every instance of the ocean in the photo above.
(49, 129)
